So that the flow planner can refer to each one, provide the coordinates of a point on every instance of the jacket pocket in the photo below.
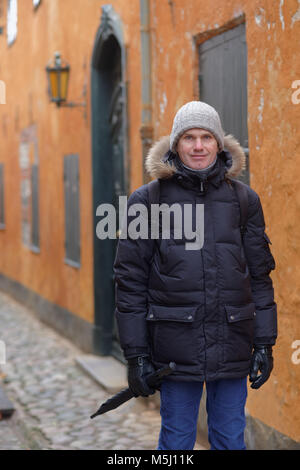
(238, 332)
(173, 334)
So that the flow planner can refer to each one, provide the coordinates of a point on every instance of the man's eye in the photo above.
(207, 136)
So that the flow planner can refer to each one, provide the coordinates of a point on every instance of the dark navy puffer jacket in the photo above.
(204, 308)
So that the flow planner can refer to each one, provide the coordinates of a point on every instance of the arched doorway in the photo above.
(109, 151)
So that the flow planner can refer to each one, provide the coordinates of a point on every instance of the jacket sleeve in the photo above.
(131, 269)
(260, 263)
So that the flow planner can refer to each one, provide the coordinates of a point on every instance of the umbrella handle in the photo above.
(158, 374)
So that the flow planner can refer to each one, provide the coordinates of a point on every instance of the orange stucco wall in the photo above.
(272, 33)
(55, 25)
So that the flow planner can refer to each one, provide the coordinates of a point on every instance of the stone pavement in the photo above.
(54, 398)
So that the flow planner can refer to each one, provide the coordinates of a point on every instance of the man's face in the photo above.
(197, 148)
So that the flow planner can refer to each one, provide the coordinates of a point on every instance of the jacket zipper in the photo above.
(204, 372)
(202, 191)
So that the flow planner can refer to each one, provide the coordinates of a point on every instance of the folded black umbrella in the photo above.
(153, 381)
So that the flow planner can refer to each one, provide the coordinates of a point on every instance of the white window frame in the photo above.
(12, 21)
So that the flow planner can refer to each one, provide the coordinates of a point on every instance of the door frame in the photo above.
(103, 186)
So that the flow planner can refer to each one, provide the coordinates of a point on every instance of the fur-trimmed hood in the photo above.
(158, 168)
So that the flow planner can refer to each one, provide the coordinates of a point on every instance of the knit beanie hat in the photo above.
(196, 114)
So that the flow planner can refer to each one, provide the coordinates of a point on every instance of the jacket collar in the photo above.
(162, 163)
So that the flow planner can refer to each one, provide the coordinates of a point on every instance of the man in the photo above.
(211, 310)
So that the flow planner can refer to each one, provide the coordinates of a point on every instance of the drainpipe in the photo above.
(146, 129)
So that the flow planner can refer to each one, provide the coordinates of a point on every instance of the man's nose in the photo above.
(198, 145)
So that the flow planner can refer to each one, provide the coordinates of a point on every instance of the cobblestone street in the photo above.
(54, 398)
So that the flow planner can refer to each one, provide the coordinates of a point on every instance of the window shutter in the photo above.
(223, 82)
(34, 207)
(72, 210)
(2, 219)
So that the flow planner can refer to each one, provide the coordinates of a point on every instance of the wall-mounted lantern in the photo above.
(58, 72)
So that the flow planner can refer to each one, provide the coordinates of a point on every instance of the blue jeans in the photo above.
(225, 406)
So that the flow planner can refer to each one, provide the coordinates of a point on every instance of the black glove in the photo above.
(262, 360)
(138, 369)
